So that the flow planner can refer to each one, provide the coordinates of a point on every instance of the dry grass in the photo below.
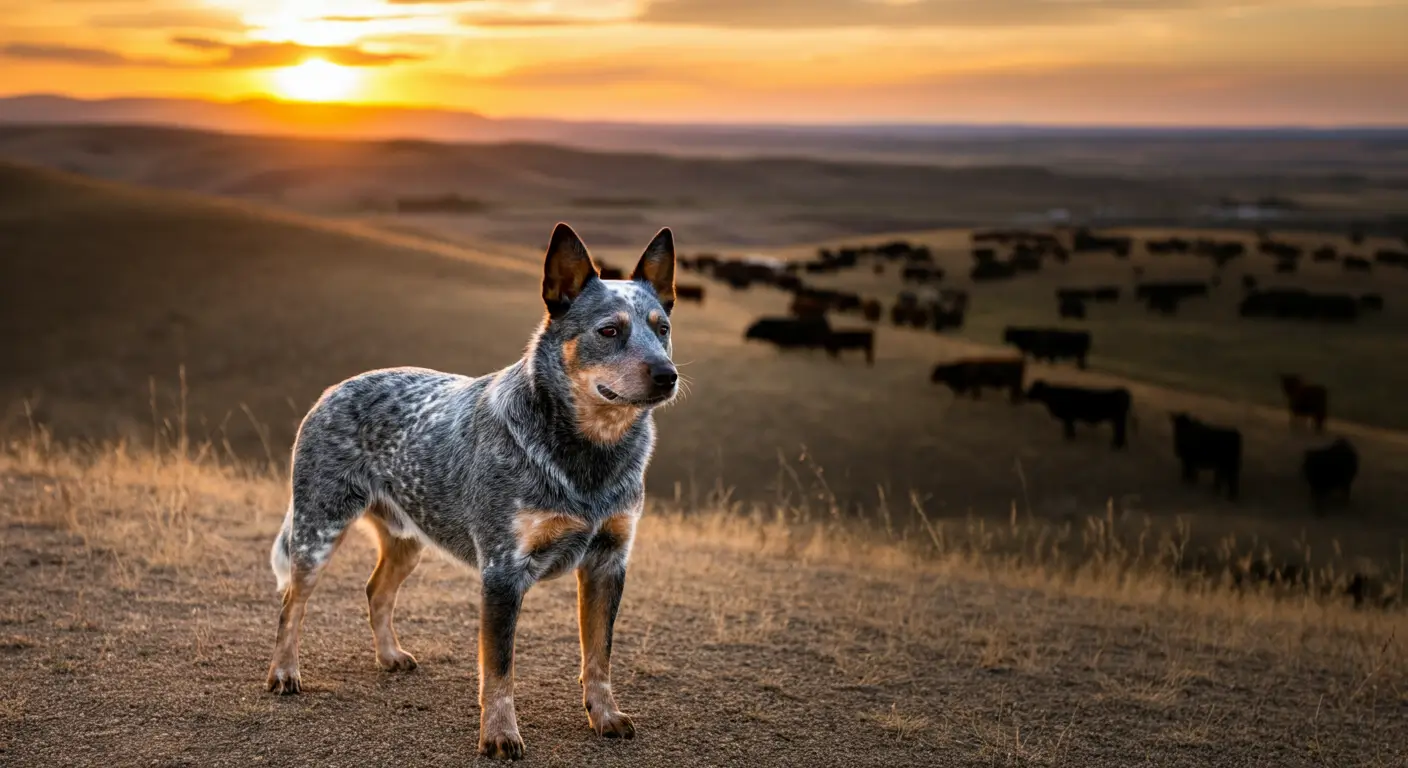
(968, 644)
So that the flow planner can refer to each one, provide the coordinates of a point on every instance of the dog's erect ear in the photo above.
(657, 267)
(566, 270)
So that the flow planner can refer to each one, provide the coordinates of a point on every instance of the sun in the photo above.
(317, 80)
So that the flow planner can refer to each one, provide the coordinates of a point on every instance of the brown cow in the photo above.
(1306, 401)
(872, 309)
(808, 306)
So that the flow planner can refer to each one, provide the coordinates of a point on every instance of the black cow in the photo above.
(789, 332)
(1072, 308)
(992, 270)
(1357, 264)
(687, 292)
(1324, 253)
(863, 340)
(1203, 446)
(1069, 405)
(1330, 470)
(1392, 258)
(974, 374)
(1050, 343)
(1372, 301)
(611, 273)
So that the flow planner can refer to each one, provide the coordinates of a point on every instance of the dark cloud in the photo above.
(229, 55)
(815, 14)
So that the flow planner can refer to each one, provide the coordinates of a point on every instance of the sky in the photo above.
(1112, 62)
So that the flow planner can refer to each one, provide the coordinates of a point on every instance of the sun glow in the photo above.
(317, 80)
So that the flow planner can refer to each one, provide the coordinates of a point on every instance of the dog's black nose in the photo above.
(664, 374)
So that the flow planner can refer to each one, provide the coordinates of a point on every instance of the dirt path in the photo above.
(137, 612)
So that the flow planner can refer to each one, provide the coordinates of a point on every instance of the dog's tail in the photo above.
(280, 559)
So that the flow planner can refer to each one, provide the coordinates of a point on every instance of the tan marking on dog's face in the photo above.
(600, 421)
(654, 317)
(537, 530)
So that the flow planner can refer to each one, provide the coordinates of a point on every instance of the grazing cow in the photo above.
(1306, 401)
(1286, 266)
(1391, 258)
(1330, 470)
(1072, 308)
(871, 309)
(944, 316)
(1069, 405)
(1372, 301)
(804, 305)
(790, 332)
(1324, 253)
(992, 270)
(1106, 294)
(863, 340)
(1300, 304)
(1357, 264)
(921, 273)
(1202, 446)
(1178, 289)
(687, 292)
(1050, 343)
(611, 273)
(1163, 303)
(1249, 282)
(973, 375)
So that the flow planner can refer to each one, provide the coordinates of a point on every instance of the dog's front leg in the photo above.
(498, 620)
(601, 579)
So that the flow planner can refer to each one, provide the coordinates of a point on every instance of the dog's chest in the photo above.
(553, 543)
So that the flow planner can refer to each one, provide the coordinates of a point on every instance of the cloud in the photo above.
(92, 57)
(359, 19)
(264, 55)
(230, 55)
(474, 20)
(191, 18)
(816, 14)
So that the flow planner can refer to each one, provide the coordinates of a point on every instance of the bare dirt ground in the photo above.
(137, 614)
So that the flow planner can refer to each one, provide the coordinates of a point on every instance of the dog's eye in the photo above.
(664, 330)
(609, 331)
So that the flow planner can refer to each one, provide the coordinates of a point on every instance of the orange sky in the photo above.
(1048, 61)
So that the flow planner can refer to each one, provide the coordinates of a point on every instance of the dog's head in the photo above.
(614, 334)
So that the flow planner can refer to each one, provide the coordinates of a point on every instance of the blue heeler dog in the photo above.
(526, 473)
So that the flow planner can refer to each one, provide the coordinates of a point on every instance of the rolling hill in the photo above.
(106, 288)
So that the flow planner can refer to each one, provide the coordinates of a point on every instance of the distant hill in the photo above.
(1176, 151)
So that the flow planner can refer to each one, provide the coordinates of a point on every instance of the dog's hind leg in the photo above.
(312, 532)
(397, 558)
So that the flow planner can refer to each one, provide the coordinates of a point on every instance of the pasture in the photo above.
(842, 562)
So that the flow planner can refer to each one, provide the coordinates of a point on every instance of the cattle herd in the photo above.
(1005, 254)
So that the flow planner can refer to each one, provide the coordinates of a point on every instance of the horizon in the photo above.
(1166, 63)
(840, 126)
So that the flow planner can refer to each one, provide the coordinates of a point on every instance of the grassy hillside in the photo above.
(138, 614)
(108, 287)
(504, 191)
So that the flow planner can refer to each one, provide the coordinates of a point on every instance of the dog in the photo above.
(526, 473)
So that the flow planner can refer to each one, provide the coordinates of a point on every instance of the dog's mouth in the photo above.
(612, 396)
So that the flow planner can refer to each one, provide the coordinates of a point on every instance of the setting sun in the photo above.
(317, 80)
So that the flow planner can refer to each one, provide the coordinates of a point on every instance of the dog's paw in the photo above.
(613, 724)
(396, 661)
(284, 680)
(501, 746)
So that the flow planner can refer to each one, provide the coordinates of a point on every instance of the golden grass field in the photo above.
(843, 564)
